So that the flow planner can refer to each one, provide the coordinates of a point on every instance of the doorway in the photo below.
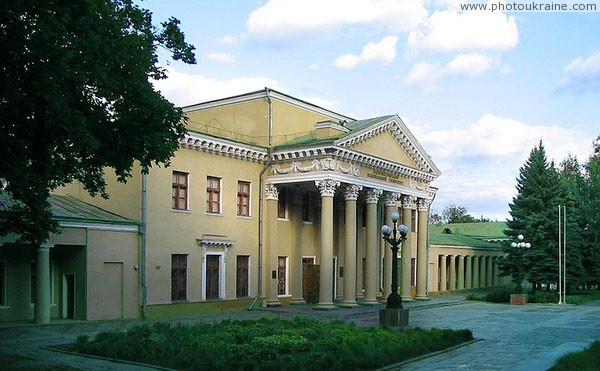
(68, 294)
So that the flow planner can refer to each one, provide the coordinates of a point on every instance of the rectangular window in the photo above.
(282, 276)
(179, 194)
(32, 281)
(243, 267)
(212, 276)
(282, 204)
(2, 283)
(243, 198)
(306, 207)
(178, 277)
(213, 195)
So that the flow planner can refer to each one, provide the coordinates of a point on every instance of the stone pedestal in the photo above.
(518, 299)
(393, 317)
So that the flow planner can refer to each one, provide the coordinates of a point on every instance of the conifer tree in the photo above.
(534, 215)
(591, 230)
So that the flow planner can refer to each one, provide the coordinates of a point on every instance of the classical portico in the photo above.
(366, 174)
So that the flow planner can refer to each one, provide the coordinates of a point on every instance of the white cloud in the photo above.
(449, 30)
(582, 75)
(280, 19)
(427, 73)
(221, 57)
(185, 89)
(229, 40)
(480, 163)
(383, 51)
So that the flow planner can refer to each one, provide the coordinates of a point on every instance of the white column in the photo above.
(296, 251)
(443, 275)
(408, 203)
(468, 272)
(475, 272)
(350, 196)
(452, 280)
(42, 288)
(372, 277)
(460, 277)
(327, 188)
(422, 230)
(270, 247)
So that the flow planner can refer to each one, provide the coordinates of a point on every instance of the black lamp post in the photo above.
(518, 246)
(394, 300)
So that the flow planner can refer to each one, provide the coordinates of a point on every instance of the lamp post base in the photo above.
(393, 317)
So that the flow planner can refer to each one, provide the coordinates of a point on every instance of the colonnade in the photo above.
(458, 272)
(327, 189)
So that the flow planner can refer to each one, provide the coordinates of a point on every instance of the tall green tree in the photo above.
(572, 185)
(76, 98)
(534, 215)
(591, 230)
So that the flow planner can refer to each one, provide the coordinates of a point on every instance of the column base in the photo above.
(422, 298)
(325, 306)
(408, 298)
(297, 301)
(348, 304)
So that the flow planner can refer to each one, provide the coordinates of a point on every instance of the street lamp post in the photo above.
(394, 236)
(520, 245)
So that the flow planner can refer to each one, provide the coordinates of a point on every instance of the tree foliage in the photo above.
(541, 188)
(76, 98)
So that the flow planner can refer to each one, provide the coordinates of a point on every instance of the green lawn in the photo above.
(581, 361)
(299, 344)
(582, 296)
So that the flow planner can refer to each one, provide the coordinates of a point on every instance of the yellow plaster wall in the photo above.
(175, 232)
(108, 299)
(290, 121)
(245, 122)
(125, 198)
(384, 145)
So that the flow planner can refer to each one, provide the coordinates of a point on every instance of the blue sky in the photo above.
(478, 89)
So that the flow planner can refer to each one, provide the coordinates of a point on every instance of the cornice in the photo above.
(224, 147)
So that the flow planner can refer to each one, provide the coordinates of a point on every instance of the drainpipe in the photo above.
(260, 203)
(143, 242)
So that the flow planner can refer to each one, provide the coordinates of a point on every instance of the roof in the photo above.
(68, 208)
(458, 240)
(483, 231)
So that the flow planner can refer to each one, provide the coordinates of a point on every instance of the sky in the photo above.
(478, 89)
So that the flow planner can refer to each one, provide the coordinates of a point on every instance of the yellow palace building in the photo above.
(270, 201)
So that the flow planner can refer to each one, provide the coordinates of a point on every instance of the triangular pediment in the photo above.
(388, 138)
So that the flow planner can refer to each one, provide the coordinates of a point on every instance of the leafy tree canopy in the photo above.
(76, 98)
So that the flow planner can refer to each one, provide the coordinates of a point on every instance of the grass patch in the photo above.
(587, 359)
(303, 344)
(11, 362)
(580, 297)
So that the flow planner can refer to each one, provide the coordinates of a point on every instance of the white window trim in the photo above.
(287, 276)
(187, 198)
(220, 213)
(249, 216)
(222, 272)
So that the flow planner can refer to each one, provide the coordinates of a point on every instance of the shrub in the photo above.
(587, 359)
(474, 297)
(500, 294)
(543, 297)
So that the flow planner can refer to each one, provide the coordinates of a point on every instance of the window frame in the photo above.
(177, 187)
(239, 292)
(285, 276)
(241, 196)
(175, 291)
(211, 193)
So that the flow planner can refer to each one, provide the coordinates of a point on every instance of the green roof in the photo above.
(487, 231)
(458, 240)
(68, 208)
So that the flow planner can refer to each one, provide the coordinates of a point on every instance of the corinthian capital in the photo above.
(271, 192)
(327, 187)
(423, 204)
(351, 192)
(408, 202)
(373, 195)
(391, 198)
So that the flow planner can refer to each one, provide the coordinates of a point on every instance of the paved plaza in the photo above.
(529, 337)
